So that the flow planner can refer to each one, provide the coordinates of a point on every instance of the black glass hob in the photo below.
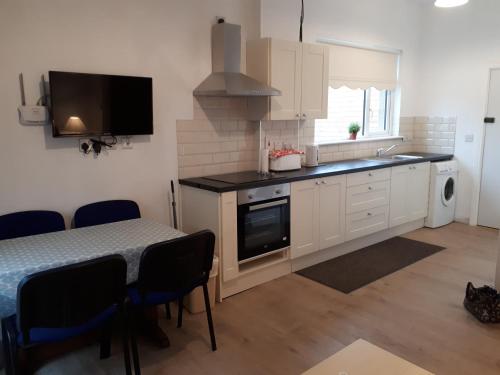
(244, 177)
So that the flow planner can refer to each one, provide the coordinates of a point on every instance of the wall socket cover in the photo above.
(127, 143)
(81, 141)
(469, 138)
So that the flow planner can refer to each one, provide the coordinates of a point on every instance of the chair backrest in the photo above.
(28, 223)
(106, 212)
(177, 264)
(70, 296)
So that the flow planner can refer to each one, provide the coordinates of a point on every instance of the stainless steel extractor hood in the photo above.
(226, 78)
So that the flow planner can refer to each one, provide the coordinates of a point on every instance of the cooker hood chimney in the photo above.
(226, 78)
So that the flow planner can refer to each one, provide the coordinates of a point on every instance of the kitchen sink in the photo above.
(379, 160)
(390, 158)
(403, 157)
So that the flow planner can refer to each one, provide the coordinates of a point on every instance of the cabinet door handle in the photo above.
(370, 174)
(369, 214)
(370, 188)
(323, 182)
(317, 182)
(297, 115)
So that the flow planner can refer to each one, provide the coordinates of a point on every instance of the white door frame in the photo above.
(476, 192)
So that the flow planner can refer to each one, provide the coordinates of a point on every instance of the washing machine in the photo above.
(442, 194)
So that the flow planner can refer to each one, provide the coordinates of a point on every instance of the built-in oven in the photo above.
(263, 221)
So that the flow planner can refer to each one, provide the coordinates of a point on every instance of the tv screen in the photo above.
(97, 104)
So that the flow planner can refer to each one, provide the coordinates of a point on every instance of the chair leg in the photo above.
(209, 317)
(133, 339)
(125, 339)
(105, 342)
(6, 348)
(179, 315)
(9, 348)
(167, 310)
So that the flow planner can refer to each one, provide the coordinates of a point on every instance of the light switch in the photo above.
(469, 138)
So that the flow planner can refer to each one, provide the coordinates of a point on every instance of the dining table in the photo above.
(23, 256)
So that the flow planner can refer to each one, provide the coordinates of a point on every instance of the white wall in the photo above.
(386, 23)
(444, 67)
(167, 40)
(461, 45)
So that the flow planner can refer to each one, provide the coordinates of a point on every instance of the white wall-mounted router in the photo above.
(33, 114)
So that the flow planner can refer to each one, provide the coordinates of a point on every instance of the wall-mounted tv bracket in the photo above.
(37, 114)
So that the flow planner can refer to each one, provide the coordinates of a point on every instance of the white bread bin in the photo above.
(285, 163)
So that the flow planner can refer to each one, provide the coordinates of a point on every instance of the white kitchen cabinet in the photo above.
(317, 214)
(287, 76)
(315, 65)
(367, 222)
(366, 196)
(409, 193)
(418, 191)
(298, 70)
(367, 202)
(332, 192)
(304, 218)
(229, 239)
(399, 194)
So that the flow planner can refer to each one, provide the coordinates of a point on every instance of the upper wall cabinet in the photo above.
(299, 70)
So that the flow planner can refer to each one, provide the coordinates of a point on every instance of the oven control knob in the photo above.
(250, 196)
(277, 192)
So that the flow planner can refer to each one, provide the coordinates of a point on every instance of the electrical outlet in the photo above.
(469, 138)
(127, 143)
(81, 146)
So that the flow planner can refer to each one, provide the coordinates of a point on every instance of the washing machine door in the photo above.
(448, 191)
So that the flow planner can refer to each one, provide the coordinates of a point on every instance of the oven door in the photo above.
(263, 227)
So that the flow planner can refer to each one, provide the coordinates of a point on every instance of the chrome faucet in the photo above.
(382, 151)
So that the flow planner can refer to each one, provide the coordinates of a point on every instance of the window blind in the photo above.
(359, 68)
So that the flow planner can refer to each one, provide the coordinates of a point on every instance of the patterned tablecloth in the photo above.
(23, 256)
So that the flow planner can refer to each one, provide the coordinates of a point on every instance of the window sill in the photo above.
(362, 140)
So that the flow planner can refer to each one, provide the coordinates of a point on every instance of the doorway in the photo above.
(489, 198)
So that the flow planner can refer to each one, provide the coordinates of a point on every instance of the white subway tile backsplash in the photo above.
(220, 140)
(434, 134)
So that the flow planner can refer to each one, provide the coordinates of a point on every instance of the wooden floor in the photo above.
(288, 325)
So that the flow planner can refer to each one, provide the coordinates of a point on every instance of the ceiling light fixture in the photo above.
(449, 3)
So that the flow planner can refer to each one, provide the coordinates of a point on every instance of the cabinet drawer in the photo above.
(363, 197)
(361, 178)
(367, 222)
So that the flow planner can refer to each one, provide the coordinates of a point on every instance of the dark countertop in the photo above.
(323, 170)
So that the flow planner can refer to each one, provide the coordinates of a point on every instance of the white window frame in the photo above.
(365, 129)
(365, 133)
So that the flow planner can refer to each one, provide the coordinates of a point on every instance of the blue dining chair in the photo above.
(62, 303)
(106, 212)
(170, 270)
(28, 223)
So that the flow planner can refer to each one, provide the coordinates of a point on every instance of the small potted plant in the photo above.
(353, 130)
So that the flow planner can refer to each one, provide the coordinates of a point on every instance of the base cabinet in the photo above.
(317, 214)
(304, 218)
(409, 193)
(229, 237)
(367, 222)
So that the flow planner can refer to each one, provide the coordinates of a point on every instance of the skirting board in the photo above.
(349, 247)
(252, 279)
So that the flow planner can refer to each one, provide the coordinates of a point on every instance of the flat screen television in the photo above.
(98, 104)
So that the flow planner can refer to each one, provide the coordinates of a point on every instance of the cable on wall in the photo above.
(301, 20)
